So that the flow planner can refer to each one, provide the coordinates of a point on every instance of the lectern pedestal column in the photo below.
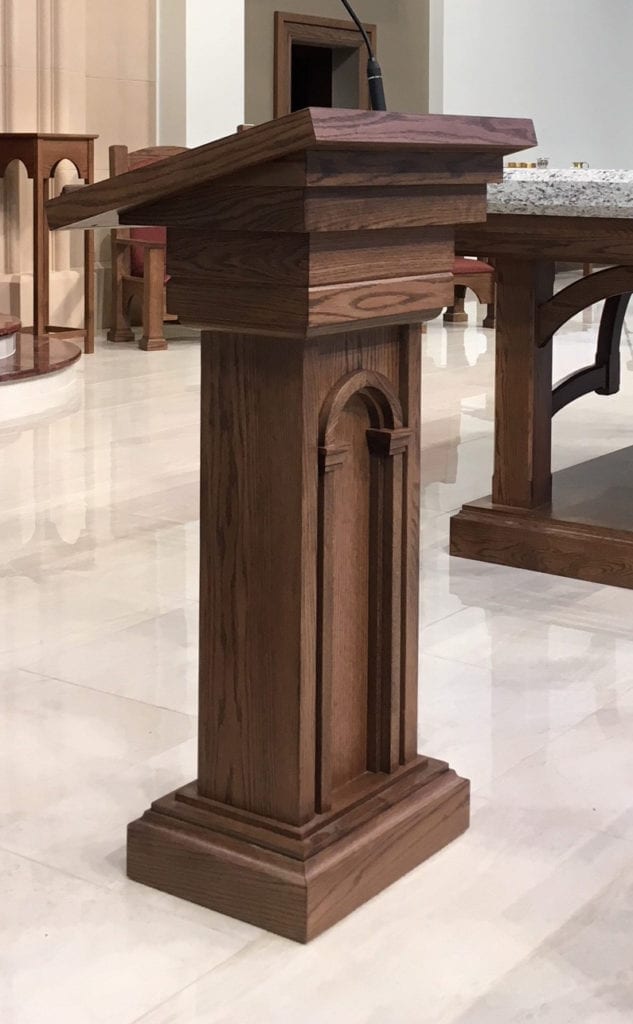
(311, 796)
(306, 248)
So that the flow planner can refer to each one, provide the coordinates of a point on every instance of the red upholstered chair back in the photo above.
(121, 161)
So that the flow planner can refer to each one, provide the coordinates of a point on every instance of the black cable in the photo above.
(361, 28)
(374, 73)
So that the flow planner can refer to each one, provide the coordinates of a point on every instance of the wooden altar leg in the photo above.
(500, 529)
(456, 314)
(89, 269)
(41, 242)
(89, 291)
(120, 330)
(311, 796)
(523, 387)
(153, 338)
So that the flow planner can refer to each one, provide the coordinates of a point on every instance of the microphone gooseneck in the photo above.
(374, 72)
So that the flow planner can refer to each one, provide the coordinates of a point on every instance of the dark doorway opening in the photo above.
(319, 62)
(311, 76)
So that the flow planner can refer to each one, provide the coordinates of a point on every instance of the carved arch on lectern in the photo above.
(387, 442)
(374, 388)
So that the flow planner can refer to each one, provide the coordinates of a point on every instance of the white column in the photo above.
(200, 92)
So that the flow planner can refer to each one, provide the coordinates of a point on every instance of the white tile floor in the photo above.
(526, 687)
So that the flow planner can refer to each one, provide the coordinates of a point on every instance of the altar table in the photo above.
(578, 522)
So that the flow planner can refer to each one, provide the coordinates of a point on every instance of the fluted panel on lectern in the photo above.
(360, 556)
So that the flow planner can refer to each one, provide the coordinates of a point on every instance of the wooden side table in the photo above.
(41, 155)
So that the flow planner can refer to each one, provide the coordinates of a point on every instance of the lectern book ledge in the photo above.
(309, 250)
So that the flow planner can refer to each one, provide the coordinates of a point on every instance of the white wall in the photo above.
(565, 63)
(215, 69)
(200, 70)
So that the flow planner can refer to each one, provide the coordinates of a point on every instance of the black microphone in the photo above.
(374, 72)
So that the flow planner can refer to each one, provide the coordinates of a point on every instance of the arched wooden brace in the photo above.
(387, 442)
(603, 376)
(605, 284)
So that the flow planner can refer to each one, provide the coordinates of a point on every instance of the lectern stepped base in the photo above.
(298, 897)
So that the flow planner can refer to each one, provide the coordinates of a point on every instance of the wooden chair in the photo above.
(138, 262)
(479, 276)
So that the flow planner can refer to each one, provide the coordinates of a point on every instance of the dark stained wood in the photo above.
(337, 257)
(409, 376)
(295, 210)
(311, 795)
(41, 154)
(350, 808)
(572, 529)
(237, 406)
(481, 284)
(23, 146)
(586, 533)
(295, 898)
(302, 131)
(523, 386)
(149, 289)
(292, 312)
(300, 260)
(564, 239)
(337, 168)
(580, 295)
(349, 624)
(341, 169)
(255, 590)
(389, 450)
(604, 374)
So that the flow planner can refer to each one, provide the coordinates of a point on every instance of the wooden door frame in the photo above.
(312, 31)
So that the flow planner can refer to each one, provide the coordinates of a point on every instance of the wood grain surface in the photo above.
(311, 271)
(304, 313)
(523, 386)
(568, 239)
(300, 260)
(577, 524)
(293, 897)
(579, 296)
(271, 209)
(299, 132)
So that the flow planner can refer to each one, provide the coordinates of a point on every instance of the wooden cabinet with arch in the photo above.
(41, 154)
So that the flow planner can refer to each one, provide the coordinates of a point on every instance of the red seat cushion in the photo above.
(137, 253)
(464, 266)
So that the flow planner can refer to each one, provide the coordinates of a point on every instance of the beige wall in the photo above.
(200, 70)
(403, 46)
(69, 66)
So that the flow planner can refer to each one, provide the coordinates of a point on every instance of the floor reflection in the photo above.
(526, 687)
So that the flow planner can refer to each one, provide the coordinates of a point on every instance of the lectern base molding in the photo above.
(198, 854)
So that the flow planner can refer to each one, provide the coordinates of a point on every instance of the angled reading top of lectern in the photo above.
(310, 250)
(346, 192)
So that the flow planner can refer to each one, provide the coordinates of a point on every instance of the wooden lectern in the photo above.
(309, 249)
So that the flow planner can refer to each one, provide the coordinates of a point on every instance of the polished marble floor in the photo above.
(526, 687)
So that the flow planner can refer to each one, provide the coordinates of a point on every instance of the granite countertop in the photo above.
(563, 193)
